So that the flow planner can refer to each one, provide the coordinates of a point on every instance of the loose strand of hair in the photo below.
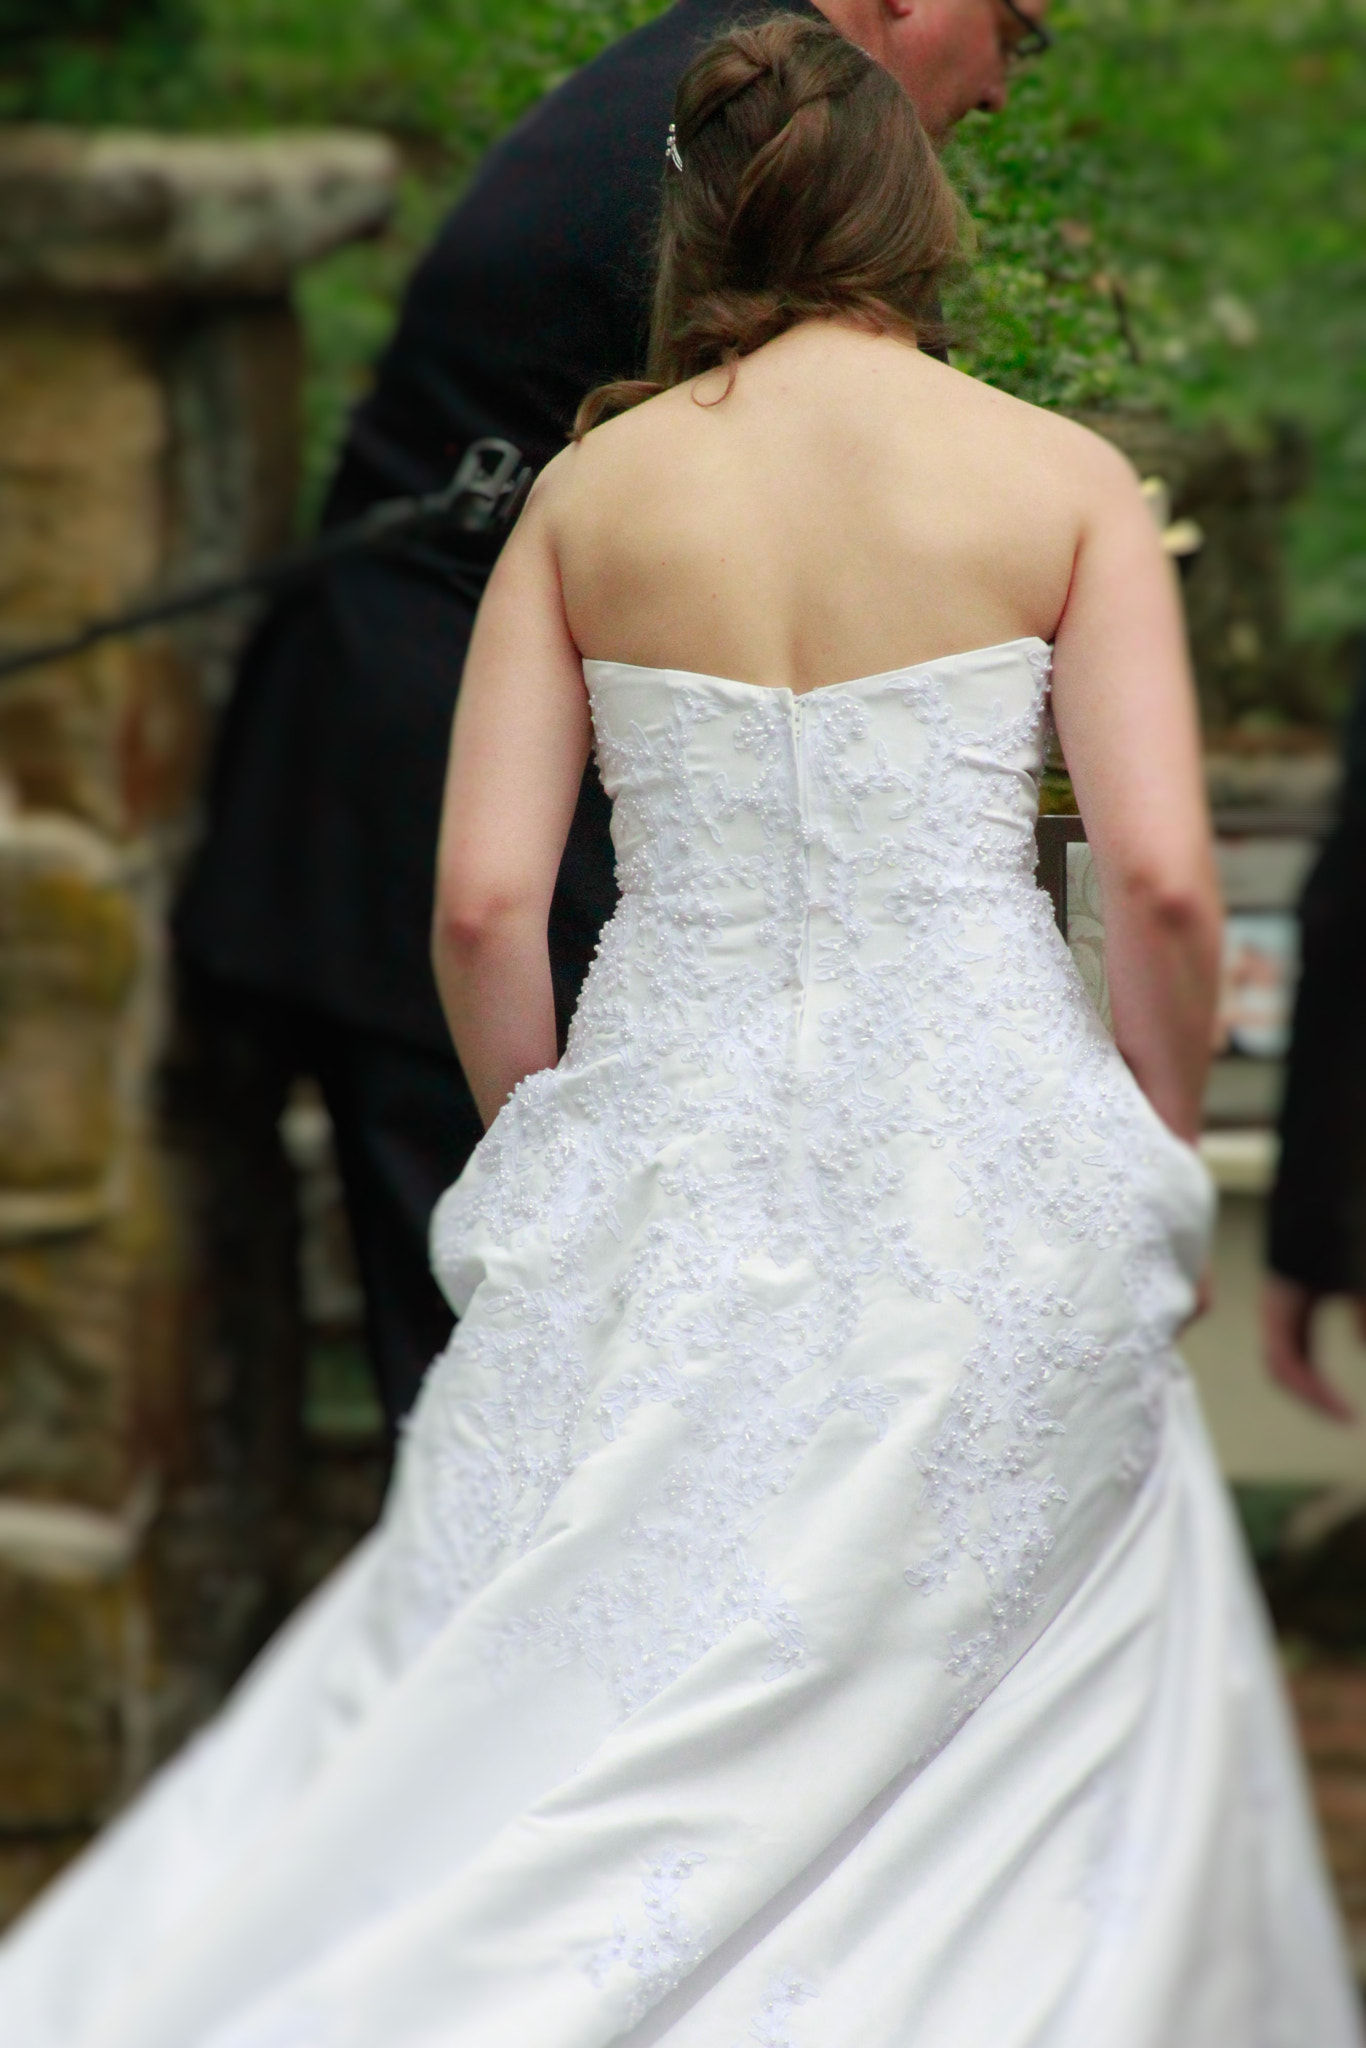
(607, 400)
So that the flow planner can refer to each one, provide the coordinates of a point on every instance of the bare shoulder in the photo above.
(1102, 471)
(552, 490)
(618, 463)
(1070, 450)
(1100, 476)
(615, 445)
(557, 502)
(626, 436)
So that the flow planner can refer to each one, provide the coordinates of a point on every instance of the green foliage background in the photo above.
(1171, 214)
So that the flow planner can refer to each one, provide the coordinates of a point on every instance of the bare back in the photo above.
(849, 507)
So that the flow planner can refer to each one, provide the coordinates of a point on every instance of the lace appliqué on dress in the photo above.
(881, 886)
(771, 2026)
(660, 1951)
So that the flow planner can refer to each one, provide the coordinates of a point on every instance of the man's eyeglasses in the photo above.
(1035, 39)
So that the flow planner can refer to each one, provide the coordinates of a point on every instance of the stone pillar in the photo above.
(149, 401)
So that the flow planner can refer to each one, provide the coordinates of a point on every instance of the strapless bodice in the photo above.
(848, 803)
(772, 845)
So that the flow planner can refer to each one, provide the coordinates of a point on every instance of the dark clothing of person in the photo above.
(315, 879)
(399, 1115)
(1317, 1217)
(306, 919)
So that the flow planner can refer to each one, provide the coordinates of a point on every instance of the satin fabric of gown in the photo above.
(806, 1611)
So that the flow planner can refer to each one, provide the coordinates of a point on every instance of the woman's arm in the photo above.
(518, 749)
(1125, 710)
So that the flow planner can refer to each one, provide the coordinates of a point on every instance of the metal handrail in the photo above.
(484, 496)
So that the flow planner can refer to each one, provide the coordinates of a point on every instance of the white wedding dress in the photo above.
(806, 1613)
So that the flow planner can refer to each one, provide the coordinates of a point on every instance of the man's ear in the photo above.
(899, 9)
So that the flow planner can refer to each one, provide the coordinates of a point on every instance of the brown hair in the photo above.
(808, 190)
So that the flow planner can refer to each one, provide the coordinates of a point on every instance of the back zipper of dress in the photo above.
(797, 727)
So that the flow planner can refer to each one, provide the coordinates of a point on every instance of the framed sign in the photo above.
(1257, 997)
(1263, 861)
(1067, 875)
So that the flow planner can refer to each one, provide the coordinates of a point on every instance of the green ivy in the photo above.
(1172, 214)
(83, 60)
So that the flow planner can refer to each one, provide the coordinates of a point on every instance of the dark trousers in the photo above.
(404, 1124)
(1317, 1213)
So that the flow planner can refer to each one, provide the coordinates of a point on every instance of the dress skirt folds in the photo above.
(806, 1613)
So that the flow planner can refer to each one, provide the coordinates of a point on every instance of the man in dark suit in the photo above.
(304, 931)
(1316, 1245)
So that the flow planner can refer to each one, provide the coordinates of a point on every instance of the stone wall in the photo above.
(149, 391)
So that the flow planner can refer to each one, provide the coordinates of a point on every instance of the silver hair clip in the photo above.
(671, 147)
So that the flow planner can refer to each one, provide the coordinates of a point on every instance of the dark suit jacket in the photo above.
(315, 877)
(1317, 1223)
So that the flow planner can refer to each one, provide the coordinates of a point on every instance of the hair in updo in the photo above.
(808, 190)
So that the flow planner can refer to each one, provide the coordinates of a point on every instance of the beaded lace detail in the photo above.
(829, 953)
(661, 1948)
(771, 2026)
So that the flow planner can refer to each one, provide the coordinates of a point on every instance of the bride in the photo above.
(806, 1612)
